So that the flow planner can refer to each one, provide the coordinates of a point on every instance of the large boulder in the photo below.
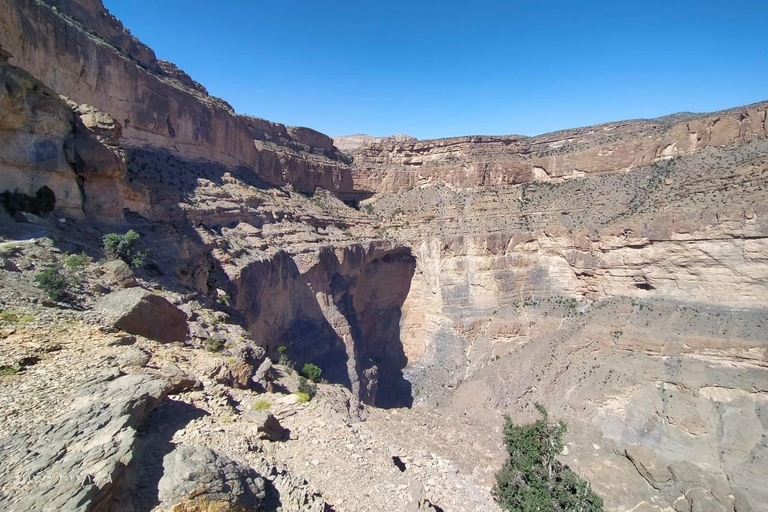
(138, 311)
(200, 479)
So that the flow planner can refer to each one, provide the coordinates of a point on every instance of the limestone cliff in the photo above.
(395, 164)
(82, 52)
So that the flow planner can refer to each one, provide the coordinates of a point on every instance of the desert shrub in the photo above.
(282, 350)
(533, 479)
(55, 282)
(44, 201)
(311, 372)
(213, 344)
(76, 265)
(6, 370)
(307, 387)
(302, 397)
(123, 247)
(261, 405)
(15, 318)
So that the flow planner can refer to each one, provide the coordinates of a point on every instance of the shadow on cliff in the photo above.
(371, 302)
(279, 304)
(280, 309)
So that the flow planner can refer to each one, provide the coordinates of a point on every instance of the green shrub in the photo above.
(54, 282)
(76, 262)
(6, 370)
(284, 356)
(302, 397)
(262, 405)
(123, 247)
(533, 479)
(213, 344)
(307, 387)
(15, 318)
(76, 265)
(311, 371)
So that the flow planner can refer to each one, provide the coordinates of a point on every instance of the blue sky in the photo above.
(445, 68)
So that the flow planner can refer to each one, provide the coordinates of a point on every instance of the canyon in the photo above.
(616, 274)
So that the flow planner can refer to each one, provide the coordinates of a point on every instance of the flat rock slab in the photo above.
(78, 462)
(147, 314)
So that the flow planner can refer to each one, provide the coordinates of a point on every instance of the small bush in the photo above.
(54, 282)
(6, 371)
(302, 397)
(123, 247)
(76, 265)
(15, 318)
(213, 345)
(307, 387)
(533, 479)
(282, 350)
(76, 262)
(311, 372)
(262, 405)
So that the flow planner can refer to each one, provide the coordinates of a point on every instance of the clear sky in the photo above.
(445, 68)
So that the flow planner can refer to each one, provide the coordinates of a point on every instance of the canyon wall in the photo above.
(631, 302)
(339, 309)
(396, 164)
(81, 51)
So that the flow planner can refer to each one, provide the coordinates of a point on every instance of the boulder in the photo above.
(138, 311)
(200, 479)
(179, 379)
(134, 357)
(267, 426)
(239, 371)
(119, 272)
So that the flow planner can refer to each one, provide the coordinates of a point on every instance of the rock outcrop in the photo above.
(78, 462)
(157, 105)
(396, 164)
(138, 311)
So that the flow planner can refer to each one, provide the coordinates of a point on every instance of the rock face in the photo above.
(200, 479)
(138, 311)
(395, 164)
(35, 126)
(91, 445)
(71, 149)
(156, 104)
(337, 309)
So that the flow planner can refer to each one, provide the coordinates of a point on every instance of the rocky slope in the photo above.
(616, 274)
